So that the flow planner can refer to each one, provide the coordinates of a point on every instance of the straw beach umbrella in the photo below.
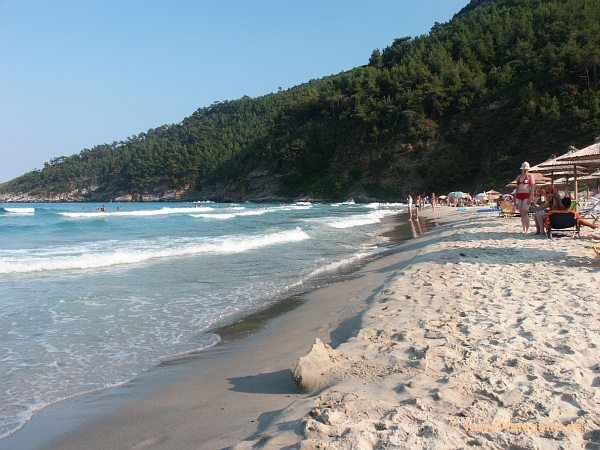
(492, 194)
(562, 182)
(591, 179)
(538, 177)
(588, 156)
(552, 165)
(555, 168)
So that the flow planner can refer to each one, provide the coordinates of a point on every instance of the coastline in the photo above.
(431, 312)
(71, 414)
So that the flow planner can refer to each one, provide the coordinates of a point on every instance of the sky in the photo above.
(78, 73)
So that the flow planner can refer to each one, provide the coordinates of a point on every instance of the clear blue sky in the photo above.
(78, 73)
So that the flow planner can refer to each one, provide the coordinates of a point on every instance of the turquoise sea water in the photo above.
(90, 299)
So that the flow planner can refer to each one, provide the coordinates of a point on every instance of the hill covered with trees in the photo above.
(461, 107)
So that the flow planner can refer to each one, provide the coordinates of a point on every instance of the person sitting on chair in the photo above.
(542, 207)
(565, 207)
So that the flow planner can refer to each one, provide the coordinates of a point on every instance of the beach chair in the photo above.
(562, 222)
(592, 211)
(507, 209)
(596, 249)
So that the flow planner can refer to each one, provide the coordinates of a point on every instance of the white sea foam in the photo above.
(19, 210)
(346, 203)
(137, 213)
(224, 216)
(231, 215)
(294, 207)
(334, 266)
(94, 257)
(358, 220)
(355, 220)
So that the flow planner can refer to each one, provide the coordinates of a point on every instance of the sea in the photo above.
(93, 295)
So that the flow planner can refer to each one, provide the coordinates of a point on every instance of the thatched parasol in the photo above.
(560, 182)
(586, 156)
(590, 180)
(538, 177)
(589, 156)
(591, 176)
(554, 165)
(492, 194)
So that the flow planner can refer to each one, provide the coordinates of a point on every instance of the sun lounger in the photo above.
(507, 209)
(562, 222)
(592, 211)
(596, 248)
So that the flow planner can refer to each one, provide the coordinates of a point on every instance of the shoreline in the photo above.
(471, 324)
(487, 337)
(68, 415)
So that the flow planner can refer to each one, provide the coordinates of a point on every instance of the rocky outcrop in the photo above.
(26, 197)
(259, 185)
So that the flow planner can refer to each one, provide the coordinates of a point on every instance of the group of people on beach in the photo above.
(542, 204)
(420, 201)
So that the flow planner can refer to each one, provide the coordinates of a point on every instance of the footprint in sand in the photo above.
(564, 349)
(527, 335)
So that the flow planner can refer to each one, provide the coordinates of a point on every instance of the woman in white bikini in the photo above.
(524, 194)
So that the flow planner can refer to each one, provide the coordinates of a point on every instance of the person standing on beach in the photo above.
(409, 201)
(524, 194)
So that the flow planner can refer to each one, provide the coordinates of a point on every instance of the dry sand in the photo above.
(473, 335)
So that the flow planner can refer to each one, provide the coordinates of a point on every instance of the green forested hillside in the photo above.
(504, 81)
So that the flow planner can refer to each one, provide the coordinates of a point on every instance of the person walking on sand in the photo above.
(524, 194)
(409, 201)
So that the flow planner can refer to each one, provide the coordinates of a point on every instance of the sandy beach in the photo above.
(472, 335)
(487, 338)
